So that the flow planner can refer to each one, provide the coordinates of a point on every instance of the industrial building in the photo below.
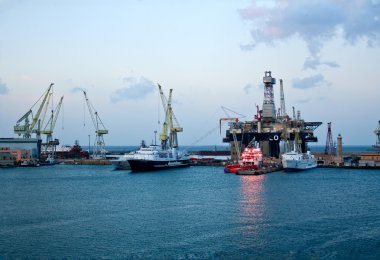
(21, 150)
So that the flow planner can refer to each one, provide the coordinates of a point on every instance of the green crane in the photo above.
(99, 151)
(49, 127)
(25, 126)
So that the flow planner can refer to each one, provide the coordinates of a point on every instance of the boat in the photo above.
(250, 159)
(166, 155)
(49, 161)
(153, 157)
(295, 160)
(121, 163)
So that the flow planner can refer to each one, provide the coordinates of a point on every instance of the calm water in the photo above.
(67, 211)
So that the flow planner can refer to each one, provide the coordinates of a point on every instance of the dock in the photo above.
(260, 171)
(87, 162)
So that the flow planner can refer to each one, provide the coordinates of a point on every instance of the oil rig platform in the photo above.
(274, 130)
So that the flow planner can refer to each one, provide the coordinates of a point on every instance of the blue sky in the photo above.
(212, 53)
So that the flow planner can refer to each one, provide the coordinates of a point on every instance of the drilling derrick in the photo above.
(329, 148)
(269, 110)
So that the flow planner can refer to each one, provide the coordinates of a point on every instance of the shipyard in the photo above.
(273, 131)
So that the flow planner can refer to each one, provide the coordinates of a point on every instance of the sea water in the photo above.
(76, 211)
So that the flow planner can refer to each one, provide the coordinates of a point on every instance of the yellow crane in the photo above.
(26, 127)
(99, 151)
(170, 124)
(49, 127)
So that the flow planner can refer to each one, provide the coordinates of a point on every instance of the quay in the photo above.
(86, 162)
(261, 171)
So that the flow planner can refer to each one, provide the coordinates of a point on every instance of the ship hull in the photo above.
(298, 165)
(153, 165)
(121, 165)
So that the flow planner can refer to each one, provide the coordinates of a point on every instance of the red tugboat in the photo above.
(250, 159)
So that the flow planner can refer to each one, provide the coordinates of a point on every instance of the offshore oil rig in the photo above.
(274, 130)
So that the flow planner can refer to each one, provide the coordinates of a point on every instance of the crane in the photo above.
(24, 126)
(170, 124)
(49, 127)
(165, 103)
(99, 151)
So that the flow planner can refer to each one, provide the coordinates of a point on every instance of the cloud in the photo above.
(248, 88)
(309, 82)
(314, 63)
(3, 88)
(316, 22)
(135, 89)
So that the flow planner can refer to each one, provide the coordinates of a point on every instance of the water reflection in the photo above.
(252, 207)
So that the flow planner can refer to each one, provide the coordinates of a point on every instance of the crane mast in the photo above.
(99, 151)
(23, 125)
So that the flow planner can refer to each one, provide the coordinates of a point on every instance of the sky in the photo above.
(212, 54)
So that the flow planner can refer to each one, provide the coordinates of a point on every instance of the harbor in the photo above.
(280, 141)
(183, 130)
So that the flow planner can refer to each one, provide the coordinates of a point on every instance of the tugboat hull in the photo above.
(150, 165)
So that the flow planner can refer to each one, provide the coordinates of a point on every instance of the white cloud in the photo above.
(309, 82)
(316, 22)
(135, 89)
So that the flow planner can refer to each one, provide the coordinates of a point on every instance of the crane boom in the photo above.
(165, 103)
(57, 109)
(49, 128)
(168, 125)
(28, 127)
(37, 115)
(90, 109)
(46, 108)
(24, 117)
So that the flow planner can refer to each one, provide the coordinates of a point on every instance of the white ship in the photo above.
(153, 157)
(298, 161)
(164, 156)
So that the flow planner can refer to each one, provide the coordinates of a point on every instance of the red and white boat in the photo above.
(250, 159)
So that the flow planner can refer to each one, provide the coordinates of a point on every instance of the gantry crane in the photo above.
(99, 151)
(24, 126)
(171, 123)
(49, 127)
